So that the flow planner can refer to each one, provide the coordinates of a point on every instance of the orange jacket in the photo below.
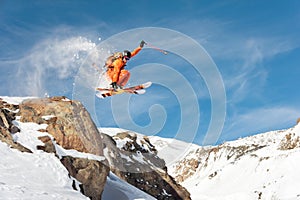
(119, 64)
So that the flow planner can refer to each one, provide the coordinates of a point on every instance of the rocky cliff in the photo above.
(68, 122)
(68, 126)
(134, 159)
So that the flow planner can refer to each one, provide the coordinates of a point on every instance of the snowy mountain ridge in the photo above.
(263, 166)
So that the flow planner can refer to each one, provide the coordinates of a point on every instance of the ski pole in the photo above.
(96, 67)
(156, 48)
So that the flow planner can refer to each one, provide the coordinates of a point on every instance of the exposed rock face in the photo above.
(48, 145)
(7, 128)
(68, 122)
(134, 159)
(89, 173)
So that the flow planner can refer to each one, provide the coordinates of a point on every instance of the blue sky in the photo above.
(46, 47)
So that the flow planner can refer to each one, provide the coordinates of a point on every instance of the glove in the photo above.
(114, 85)
(142, 43)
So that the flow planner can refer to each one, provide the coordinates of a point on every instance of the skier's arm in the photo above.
(136, 51)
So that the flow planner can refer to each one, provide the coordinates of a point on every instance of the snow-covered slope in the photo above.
(171, 150)
(36, 175)
(41, 176)
(116, 188)
(264, 166)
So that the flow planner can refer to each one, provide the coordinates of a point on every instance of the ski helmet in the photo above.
(127, 54)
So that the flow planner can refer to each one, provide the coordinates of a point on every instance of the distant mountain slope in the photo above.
(263, 166)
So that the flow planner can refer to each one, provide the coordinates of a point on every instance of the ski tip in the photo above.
(148, 84)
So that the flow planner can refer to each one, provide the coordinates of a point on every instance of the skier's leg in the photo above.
(123, 78)
(109, 76)
(110, 73)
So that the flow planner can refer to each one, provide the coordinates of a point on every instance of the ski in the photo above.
(138, 89)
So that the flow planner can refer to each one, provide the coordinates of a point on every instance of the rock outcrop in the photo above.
(68, 122)
(89, 173)
(290, 141)
(134, 159)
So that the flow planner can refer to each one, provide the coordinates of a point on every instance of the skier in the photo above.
(115, 67)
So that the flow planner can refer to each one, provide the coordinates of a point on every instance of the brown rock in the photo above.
(48, 145)
(290, 141)
(91, 173)
(68, 122)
